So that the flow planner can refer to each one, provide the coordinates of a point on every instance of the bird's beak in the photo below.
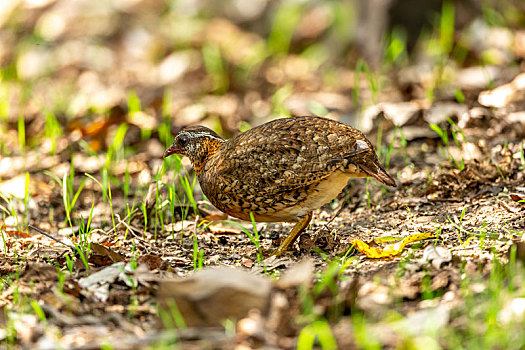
(171, 150)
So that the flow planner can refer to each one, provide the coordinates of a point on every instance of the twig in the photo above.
(121, 221)
(51, 237)
(506, 206)
(345, 204)
(130, 228)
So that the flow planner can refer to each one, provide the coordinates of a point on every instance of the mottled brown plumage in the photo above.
(281, 170)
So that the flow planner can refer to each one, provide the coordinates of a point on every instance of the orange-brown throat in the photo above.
(205, 148)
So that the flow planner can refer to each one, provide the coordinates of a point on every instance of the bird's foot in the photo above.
(292, 236)
(279, 252)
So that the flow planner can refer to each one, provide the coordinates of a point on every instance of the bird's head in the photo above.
(195, 142)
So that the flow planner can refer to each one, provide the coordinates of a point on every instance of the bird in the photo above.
(280, 171)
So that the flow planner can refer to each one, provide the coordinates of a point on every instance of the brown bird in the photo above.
(281, 170)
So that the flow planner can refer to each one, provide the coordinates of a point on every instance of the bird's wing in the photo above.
(284, 155)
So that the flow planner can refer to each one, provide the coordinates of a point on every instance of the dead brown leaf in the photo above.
(105, 251)
(153, 262)
(16, 187)
(517, 197)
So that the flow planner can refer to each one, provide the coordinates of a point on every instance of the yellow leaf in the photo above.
(390, 249)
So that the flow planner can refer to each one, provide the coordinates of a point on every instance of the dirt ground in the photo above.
(475, 212)
(105, 245)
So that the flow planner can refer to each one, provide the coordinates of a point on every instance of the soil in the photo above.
(82, 262)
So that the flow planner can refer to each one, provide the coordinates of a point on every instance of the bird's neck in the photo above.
(204, 152)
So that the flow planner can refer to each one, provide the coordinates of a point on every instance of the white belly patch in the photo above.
(326, 190)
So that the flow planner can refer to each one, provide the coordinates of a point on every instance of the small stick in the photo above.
(50, 237)
(122, 221)
(130, 228)
(343, 206)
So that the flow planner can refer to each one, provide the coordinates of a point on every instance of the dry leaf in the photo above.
(104, 251)
(391, 249)
(153, 262)
(518, 198)
(98, 283)
(503, 94)
(247, 262)
(219, 227)
(437, 255)
(13, 233)
(16, 187)
(211, 295)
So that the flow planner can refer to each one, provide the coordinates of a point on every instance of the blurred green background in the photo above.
(235, 63)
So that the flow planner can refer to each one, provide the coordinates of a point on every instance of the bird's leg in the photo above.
(292, 236)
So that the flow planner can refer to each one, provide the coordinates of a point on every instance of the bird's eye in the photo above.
(183, 141)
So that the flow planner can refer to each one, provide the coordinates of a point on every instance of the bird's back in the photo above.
(278, 164)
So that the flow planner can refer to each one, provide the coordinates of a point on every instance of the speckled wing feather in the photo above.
(287, 153)
(279, 171)
(275, 171)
